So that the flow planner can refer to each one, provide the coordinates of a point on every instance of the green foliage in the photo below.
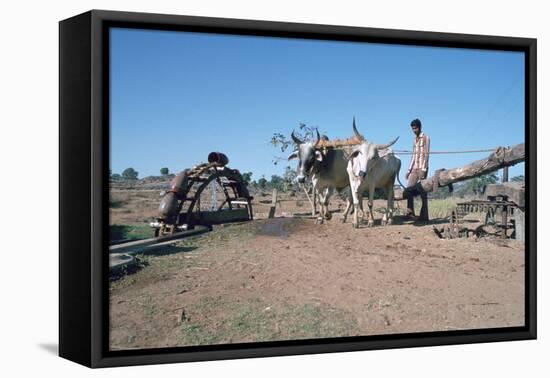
(130, 174)
(289, 179)
(519, 178)
(247, 177)
(256, 320)
(443, 192)
(283, 142)
(476, 186)
(164, 171)
(277, 182)
(262, 183)
(437, 208)
(129, 231)
(285, 183)
(116, 177)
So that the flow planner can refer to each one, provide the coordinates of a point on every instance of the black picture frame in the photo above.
(83, 196)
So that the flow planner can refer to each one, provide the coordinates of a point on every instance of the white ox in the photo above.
(372, 166)
(326, 170)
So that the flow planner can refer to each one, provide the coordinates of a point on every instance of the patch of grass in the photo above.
(117, 274)
(116, 204)
(222, 235)
(166, 261)
(255, 321)
(148, 306)
(158, 266)
(250, 322)
(118, 200)
(315, 321)
(194, 334)
(438, 208)
(129, 231)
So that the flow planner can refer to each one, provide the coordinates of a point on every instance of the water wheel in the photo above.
(207, 194)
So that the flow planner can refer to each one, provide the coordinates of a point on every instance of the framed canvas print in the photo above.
(234, 188)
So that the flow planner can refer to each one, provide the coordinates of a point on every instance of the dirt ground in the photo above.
(288, 278)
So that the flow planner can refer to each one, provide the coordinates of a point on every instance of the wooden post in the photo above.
(505, 174)
(312, 203)
(273, 204)
(519, 219)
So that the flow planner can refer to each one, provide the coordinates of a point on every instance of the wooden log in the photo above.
(502, 157)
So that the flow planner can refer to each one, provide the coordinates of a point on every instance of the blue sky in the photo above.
(176, 96)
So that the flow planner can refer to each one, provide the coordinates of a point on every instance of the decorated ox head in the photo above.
(365, 156)
(308, 156)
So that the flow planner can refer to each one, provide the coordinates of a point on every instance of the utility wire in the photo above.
(406, 152)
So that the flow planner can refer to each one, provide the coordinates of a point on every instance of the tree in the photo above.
(289, 179)
(116, 177)
(164, 171)
(262, 183)
(477, 185)
(519, 178)
(283, 142)
(277, 182)
(130, 174)
(444, 192)
(247, 177)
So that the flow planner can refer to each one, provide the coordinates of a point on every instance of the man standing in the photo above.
(418, 168)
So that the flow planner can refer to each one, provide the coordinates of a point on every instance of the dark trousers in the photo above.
(415, 176)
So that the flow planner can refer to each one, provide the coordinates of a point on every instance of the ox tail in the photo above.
(397, 176)
(400, 183)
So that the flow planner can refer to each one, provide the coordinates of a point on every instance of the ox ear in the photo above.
(318, 155)
(354, 154)
(293, 155)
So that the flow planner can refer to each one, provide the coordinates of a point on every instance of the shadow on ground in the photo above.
(166, 250)
(50, 348)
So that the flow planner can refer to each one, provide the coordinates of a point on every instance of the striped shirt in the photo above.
(420, 154)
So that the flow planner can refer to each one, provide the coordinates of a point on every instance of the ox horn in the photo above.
(318, 137)
(295, 139)
(357, 135)
(384, 146)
